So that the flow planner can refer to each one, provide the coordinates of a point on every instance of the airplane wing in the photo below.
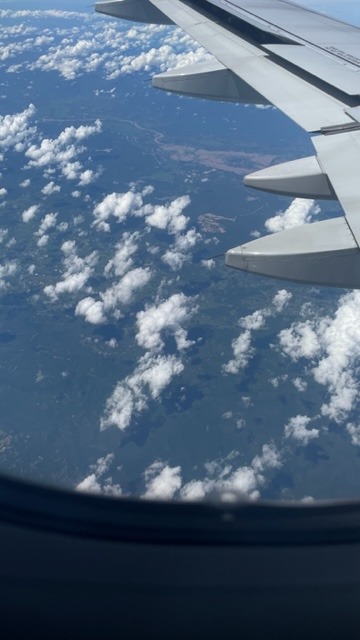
(306, 64)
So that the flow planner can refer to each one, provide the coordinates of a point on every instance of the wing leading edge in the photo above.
(307, 65)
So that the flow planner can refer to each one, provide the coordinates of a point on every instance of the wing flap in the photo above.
(298, 24)
(325, 67)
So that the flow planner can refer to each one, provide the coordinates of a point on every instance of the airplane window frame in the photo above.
(204, 522)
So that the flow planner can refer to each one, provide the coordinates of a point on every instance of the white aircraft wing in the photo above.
(306, 64)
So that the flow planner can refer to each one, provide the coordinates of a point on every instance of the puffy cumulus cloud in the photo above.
(354, 432)
(66, 58)
(332, 344)
(209, 264)
(87, 177)
(37, 13)
(30, 213)
(15, 130)
(8, 269)
(61, 152)
(161, 58)
(241, 346)
(118, 205)
(76, 273)
(112, 47)
(131, 396)
(299, 212)
(254, 321)
(92, 310)
(16, 30)
(178, 253)
(3, 192)
(281, 300)
(47, 223)
(176, 49)
(122, 292)
(340, 342)
(276, 381)
(95, 481)
(242, 351)
(225, 478)
(122, 260)
(300, 384)
(25, 183)
(50, 188)
(301, 340)
(167, 316)
(14, 42)
(297, 429)
(169, 217)
(162, 481)
(154, 371)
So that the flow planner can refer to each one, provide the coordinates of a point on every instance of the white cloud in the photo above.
(332, 344)
(162, 481)
(296, 428)
(153, 372)
(47, 223)
(253, 322)
(61, 152)
(242, 351)
(76, 274)
(299, 384)
(241, 346)
(300, 341)
(118, 205)
(15, 130)
(121, 205)
(43, 240)
(169, 316)
(299, 212)
(113, 298)
(95, 483)
(209, 264)
(50, 188)
(354, 432)
(35, 13)
(131, 396)
(91, 309)
(8, 269)
(87, 176)
(122, 260)
(169, 216)
(281, 300)
(178, 253)
(122, 292)
(245, 481)
(3, 192)
(29, 213)
(25, 183)
(110, 46)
